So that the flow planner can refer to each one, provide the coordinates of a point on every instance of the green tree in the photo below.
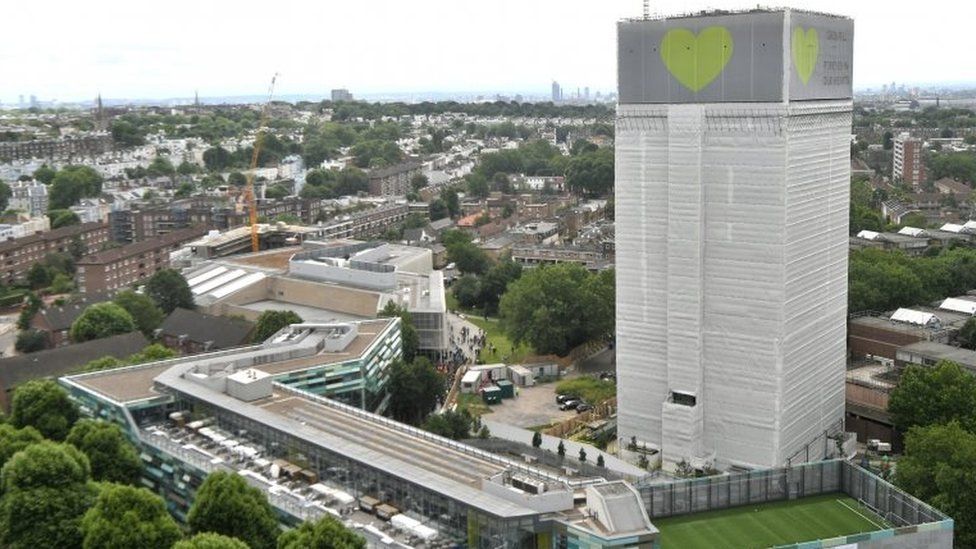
(591, 173)
(467, 291)
(468, 257)
(186, 168)
(43, 405)
(415, 388)
(269, 322)
(32, 304)
(161, 167)
(929, 395)
(209, 540)
(13, 440)
(325, 533)
(217, 159)
(276, 192)
(45, 174)
(375, 153)
(111, 455)
(169, 290)
(967, 334)
(451, 200)
(46, 491)
(418, 182)
(477, 184)
(127, 134)
(450, 424)
(38, 276)
(101, 320)
(71, 184)
(226, 504)
(30, 341)
(937, 467)
(124, 516)
(77, 248)
(557, 307)
(151, 353)
(437, 209)
(237, 179)
(496, 281)
(409, 339)
(143, 310)
(5, 193)
(185, 189)
(61, 284)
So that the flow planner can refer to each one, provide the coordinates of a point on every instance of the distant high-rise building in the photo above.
(586, 92)
(732, 193)
(341, 94)
(33, 101)
(20, 101)
(908, 164)
(557, 92)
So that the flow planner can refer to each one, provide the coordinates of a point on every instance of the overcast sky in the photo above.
(71, 50)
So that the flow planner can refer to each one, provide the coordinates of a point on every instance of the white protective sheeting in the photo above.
(732, 246)
(909, 316)
(959, 305)
(911, 231)
(952, 228)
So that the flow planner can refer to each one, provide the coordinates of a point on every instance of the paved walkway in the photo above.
(551, 443)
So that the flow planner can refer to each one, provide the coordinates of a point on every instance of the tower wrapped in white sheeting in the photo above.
(732, 197)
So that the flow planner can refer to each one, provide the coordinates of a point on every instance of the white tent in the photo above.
(919, 318)
(959, 305)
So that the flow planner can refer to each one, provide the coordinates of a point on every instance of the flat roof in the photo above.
(274, 259)
(136, 382)
(307, 312)
(941, 351)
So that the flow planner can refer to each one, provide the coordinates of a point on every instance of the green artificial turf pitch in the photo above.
(770, 524)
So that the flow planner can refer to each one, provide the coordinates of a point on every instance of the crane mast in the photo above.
(249, 189)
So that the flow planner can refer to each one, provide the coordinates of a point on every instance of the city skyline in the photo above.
(515, 48)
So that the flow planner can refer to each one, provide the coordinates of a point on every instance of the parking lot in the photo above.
(532, 407)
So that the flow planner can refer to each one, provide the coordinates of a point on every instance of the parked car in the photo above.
(583, 407)
(563, 398)
(570, 404)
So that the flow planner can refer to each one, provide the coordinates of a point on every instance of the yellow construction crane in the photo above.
(252, 206)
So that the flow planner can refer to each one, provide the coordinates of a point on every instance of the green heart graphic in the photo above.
(806, 47)
(695, 61)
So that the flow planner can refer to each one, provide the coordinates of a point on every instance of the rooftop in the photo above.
(115, 254)
(137, 382)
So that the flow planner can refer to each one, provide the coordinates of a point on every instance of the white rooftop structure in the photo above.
(959, 305)
(952, 228)
(919, 318)
(912, 231)
(868, 235)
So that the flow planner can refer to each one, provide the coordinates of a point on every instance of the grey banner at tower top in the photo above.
(735, 57)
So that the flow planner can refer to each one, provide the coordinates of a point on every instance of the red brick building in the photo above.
(18, 255)
(122, 267)
(908, 163)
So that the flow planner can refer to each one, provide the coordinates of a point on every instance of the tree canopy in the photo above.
(269, 322)
(591, 173)
(450, 424)
(325, 533)
(928, 395)
(557, 307)
(937, 467)
(415, 388)
(46, 491)
(409, 339)
(111, 455)
(210, 540)
(72, 183)
(13, 440)
(226, 504)
(45, 406)
(101, 320)
(169, 290)
(885, 280)
(125, 516)
(143, 310)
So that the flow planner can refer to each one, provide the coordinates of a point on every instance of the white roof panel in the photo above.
(910, 316)
(238, 284)
(952, 228)
(912, 231)
(206, 276)
(959, 305)
(868, 235)
(217, 281)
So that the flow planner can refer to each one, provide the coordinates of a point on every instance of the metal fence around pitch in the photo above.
(747, 488)
(788, 483)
